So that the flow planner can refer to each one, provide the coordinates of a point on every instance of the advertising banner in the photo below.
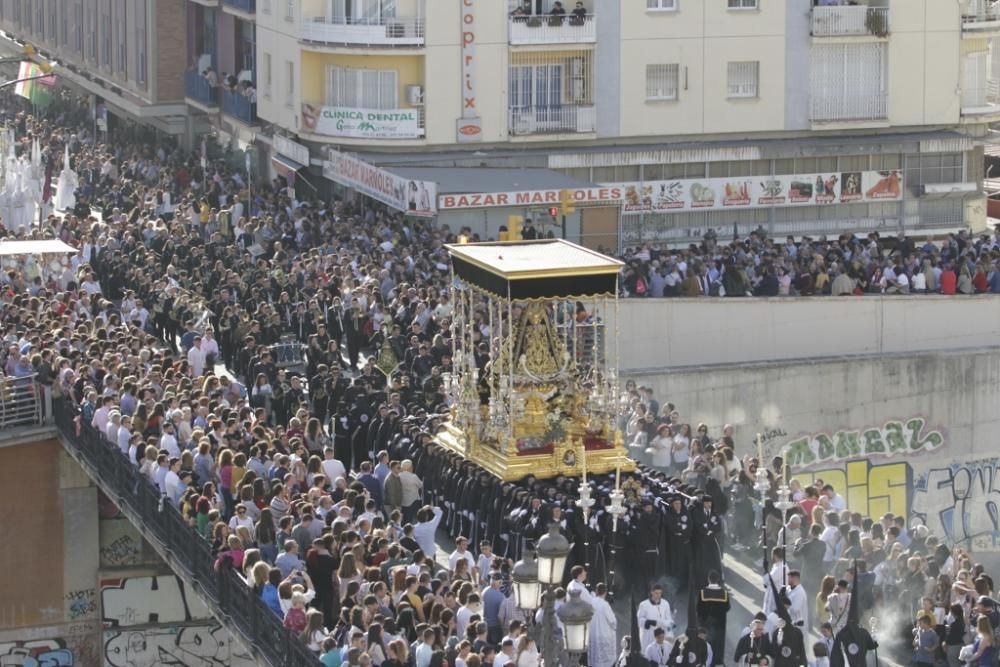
(412, 197)
(594, 195)
(361, 123)
(759, 191)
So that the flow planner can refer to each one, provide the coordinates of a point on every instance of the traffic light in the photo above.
(566, 204)
(553, 211)
(514, 223)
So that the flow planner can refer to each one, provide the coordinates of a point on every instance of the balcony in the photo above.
(980, 15)
(850, 21)
(239, 106)
(245, 6)
(196, 89)
(533, 30)
(552, 120)
(384, 31)
(848, 108)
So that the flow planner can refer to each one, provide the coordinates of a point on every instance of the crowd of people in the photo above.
(320, 482)
(845, 266)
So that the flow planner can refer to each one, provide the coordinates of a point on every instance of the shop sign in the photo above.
(361, 123)
(403, 194)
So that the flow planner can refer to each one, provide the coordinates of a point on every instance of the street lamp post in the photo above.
(575, 616)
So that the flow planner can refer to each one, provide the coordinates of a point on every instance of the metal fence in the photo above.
(22, 401)
(189, 555)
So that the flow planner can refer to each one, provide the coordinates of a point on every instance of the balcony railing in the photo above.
(847, 108)
(239, 106)
(188, 553)
(396, 31)
(553, 120)
(21, 401)
(248, 6)
(527, 30)
(980, 15)
(848, 20)
(196, 88)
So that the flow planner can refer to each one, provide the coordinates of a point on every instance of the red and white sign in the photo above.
(410, 196)
(527, 198)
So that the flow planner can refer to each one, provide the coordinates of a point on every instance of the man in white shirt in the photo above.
(658, 650)
(101, 416)
(425, 528)
(124, 434)
(168, 440)
(505, 656)
(831, 537)
(777, 576)
(578, 582)
(799, 599)
(837, 502)
(473, 606)
(654, 612)
(332, 468)
(461, 552)
(114, 423)
(196, 358)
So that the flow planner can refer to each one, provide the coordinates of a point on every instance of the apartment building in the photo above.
(126, 54)
(220, 75)
(680, 115)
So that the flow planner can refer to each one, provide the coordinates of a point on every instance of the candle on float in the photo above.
(585, 464)
(618, 471)
(788, 479)
(760, 450)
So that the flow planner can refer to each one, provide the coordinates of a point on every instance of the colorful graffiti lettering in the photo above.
(894, 438)
(188, 646)
(869, 489)
(961, 502)
(148, 600)
(81, 603)
(40, 653)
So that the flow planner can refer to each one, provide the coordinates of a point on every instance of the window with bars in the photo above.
(662, 81)
(267, 75)
(743, 79)
(40, 18)
(54, 23)
(265, 6)
(662, 5)
(106, 33)
(362, 88)
(848, 82)
(121, 37)
(289, 10)
(289, 83)
(933, 168)
(742, 4)
(92, 28)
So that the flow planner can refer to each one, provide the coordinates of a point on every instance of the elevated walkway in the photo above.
(187, 554)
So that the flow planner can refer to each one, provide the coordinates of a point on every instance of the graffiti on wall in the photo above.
(81, 603)
(961, 502)
(147, 601)
(38, 653)
(892, 439)
(869, 489)
(207, 645)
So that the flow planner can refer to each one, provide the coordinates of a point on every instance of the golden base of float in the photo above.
(569, 457)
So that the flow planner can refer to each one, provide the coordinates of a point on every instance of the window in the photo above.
(742, 79)
(78, 26)
(53, 22)
(848, 82)
(40, 22)
(140, 41)
(121, 38)
(106, 33)
(742, 4)
(267, 75)
(266, 6)
(362, 88)
(289, 10)
(662, 5)
(289, 83)
(661, 82)
(536, 86)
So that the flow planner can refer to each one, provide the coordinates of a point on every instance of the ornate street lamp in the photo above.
(553, 549)
(527, 588)
(575, 616)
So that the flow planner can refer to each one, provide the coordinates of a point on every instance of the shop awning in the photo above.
(285, 165)
(50, 247)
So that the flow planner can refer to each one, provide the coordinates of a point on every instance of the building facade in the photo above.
(702, 114)
(126, 54)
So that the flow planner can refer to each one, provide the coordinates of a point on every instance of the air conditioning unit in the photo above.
(947, 188)
(415, 96)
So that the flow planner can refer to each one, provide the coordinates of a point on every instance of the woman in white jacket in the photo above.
(660, 448)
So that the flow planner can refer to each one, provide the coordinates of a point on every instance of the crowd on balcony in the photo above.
(319, 482)
(845, 266)
(557, 15)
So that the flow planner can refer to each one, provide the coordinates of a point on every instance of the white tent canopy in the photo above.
(49, 247)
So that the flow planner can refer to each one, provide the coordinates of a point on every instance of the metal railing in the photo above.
(835, 108)
(239, 106)
(981, 97)
(21, 401)
(840, 20)
(197, 88)
(383, 31)
(978, 14)
(188, 553)
(553, 29)
(565, 119)
(248, 6)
